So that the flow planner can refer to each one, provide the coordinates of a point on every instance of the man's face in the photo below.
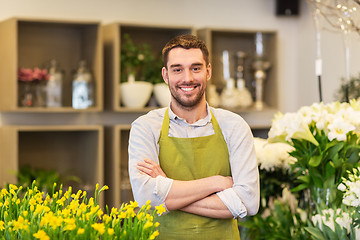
(186, 75)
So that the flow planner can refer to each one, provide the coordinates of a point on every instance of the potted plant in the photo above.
(135, 87)
(141, 75)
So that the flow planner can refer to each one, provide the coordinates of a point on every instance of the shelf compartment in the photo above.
(156, 36)
(235, 40)
(69, 150)
(33, 43)
(116, 165)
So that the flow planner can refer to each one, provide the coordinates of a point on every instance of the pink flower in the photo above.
(28, 74)
(25, 74)
(40, 74)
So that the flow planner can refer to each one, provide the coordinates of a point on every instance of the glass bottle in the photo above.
(54, 86)
(83, 88)
(244, 95)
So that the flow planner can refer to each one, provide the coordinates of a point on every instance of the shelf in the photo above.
(234, 40)
(30, 43)
(70, 150)
(116, 165)
(156, 36)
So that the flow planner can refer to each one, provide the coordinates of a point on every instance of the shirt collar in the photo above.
(201, 122)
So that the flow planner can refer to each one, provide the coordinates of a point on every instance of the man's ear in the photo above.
(165, 75)
(208, 72)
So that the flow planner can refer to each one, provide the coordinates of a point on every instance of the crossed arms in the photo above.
(195, 196)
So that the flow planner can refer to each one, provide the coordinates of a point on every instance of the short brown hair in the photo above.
(186, 41)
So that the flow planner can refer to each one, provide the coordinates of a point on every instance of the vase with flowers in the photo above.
(32, 86)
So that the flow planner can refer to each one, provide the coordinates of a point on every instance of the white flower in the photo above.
(273, 155)
(338, 129)
(342, 187)
(328, 217)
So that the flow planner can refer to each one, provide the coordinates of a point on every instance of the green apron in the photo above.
(190, 159)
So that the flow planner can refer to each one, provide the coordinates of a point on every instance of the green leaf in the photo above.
(316, 177)
(315, 233)
(337, 161)
(315, 161)
(335, 149)
(329, 170)
(300, 187)
(304, 179)
(354, 155)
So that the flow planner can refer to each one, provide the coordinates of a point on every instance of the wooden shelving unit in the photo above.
(157, 36)
(70, 150)
(30, 43)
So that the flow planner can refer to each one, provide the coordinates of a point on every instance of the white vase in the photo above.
(162, 94)
(135, 94)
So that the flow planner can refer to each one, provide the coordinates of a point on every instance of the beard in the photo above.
(185, 101)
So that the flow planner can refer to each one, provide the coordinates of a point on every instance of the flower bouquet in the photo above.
(32, 91)
(326, 142)
(68, 215)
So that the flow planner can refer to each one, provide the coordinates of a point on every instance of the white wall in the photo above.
(296, 39)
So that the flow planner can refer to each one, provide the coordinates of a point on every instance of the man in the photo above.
(196, 160)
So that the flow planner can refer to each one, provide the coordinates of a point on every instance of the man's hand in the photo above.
(150, 168)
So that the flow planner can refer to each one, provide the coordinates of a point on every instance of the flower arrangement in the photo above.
(139, 62)
(71, 215)
(32, 88)
(324, 178)
(326, 142)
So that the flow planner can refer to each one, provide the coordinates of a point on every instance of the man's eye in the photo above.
(176, 70)
(196, 69)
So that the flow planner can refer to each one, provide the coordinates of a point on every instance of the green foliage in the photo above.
(281, 223)
(44, 179)
(272, 184)
(140, 60)
(323, 166)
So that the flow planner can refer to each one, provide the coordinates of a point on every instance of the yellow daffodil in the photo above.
(2, 225)
(160, 209)
(99, 227)
(25, 213)
(110, 231)
(148, 224)
(80, 231)
(154, 235)
(41, 234)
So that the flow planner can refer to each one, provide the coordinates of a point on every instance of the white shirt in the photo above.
(241, 199)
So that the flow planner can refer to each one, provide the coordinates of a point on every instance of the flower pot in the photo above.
(135, 94)
(162, 94)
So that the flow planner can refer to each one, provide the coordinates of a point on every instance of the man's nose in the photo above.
(188, 75)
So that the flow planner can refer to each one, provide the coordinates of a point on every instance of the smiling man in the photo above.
(197, 160)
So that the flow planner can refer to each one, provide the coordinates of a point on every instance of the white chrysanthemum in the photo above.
(338, 129)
